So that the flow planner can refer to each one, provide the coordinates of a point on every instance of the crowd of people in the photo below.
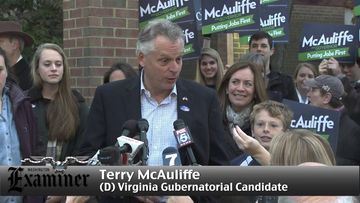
(235, 115)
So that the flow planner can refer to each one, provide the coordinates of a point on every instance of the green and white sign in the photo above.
(322, 121)
(321, 41)
(173, 10)
(229, 15)
(274, 20)
(179, 11)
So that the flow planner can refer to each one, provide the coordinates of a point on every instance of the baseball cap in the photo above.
(328, 83)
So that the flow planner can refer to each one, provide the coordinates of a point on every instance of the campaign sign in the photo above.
(192, 48)
(322, 121)
(320, 41)
(274, 2)
(274, 20)
(173, 10)
(229, 15)
(179, 11)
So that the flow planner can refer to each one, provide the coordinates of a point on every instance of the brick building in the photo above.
(98, 33)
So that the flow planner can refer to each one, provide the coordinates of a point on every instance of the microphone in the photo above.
(94, 161)
(143, 126)
(171, 157)
(129, 145)
(129, 128)
(183, 138)
(125, 142)
(109, 155)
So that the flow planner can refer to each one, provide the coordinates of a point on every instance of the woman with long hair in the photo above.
(211, 69)
(60, 112)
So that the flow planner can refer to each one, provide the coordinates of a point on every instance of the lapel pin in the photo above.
(185, 108)
(184, 98)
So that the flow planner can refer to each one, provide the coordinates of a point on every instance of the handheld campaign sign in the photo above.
(192, 48)
(323, 41)
(173, 10)
(179, 11)
(322, 121)
(229, 15)
(274, 19)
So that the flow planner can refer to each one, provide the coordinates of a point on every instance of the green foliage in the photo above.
(42, 19)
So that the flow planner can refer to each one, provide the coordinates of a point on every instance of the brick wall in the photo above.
(98, 33)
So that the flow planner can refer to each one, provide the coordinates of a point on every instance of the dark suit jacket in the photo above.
(116, 102)
(22, 72)
(280, 87)
(348, 145)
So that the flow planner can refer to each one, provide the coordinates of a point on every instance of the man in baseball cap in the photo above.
(13, 40)
(326, 91)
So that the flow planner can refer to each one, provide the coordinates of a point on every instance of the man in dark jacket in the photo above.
(160, 97)
(279, 86)
(13, 41)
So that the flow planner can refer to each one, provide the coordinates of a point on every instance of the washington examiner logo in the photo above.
(15, 179)
(35, 178)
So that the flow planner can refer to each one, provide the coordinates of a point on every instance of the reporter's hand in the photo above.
(251, 146)
(244, 142)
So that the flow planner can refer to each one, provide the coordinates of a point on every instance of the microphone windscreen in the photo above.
(143, 125)
(109, 155)
(130, 128)
(179, 124)
(171, 157)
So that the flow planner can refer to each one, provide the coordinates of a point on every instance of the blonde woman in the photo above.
(298, 146)
(301, 147)
(211, 68)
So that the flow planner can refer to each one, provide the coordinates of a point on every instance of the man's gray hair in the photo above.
(154, 28)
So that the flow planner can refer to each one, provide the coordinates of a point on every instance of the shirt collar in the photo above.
(144, 90)
(20, 57)
(6, 90)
